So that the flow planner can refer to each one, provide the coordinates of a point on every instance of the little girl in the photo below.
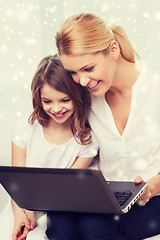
(57, 134)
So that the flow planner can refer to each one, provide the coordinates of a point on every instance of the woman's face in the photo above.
(94, 71)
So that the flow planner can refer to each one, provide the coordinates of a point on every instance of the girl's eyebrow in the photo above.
(64, 97)
(44, 98)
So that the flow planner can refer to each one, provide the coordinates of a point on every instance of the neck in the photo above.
(59, 127)
(57, 133)
(125, 76)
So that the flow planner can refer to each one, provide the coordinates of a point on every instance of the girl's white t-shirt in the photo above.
(137, 151)
(40, 153)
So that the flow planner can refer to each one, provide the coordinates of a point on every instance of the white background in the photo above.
(27, 30)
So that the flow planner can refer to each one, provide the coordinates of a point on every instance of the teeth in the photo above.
(93, 85)
(58, 115)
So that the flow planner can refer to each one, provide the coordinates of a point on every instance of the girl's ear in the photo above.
(115, 49)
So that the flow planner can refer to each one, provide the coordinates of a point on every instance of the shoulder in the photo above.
(23, 124)
(148, 82)
(92, 145)
(22, 131)
(151, 74)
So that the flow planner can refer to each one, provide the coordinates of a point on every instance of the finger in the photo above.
(14, 237)
(142, 202)
(138, 179)
(144, 194)
(16, 232)
(33, 225)
(31, 218)
(27, 223)
(24, 234)
(146, 197)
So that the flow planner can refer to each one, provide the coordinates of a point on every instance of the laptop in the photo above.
(69, 190)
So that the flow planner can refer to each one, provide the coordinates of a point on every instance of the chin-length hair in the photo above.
(51, 71)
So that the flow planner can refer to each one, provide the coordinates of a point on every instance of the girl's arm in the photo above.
(22, 224)
(82, 162)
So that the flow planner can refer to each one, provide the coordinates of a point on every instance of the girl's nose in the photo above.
(56, 108)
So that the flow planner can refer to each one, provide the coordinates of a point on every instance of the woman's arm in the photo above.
(23, 223)
(82, 162)
(153, 188)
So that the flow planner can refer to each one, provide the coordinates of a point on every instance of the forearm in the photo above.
(16, 208)
(82, 162)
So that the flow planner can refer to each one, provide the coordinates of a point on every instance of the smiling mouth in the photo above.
(61, 115)
(94, 85)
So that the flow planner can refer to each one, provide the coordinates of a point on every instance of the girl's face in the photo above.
(56, 104)
(95, 71)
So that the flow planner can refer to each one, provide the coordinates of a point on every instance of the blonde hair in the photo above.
(87, 33)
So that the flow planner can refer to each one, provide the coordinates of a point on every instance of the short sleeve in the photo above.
(19, 133)
(90, 150)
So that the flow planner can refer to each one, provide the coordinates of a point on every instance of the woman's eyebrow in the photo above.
(82, 68)
(87, 65)
(68, 70)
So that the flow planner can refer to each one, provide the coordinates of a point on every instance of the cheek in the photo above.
(71, 107)
(108, 75)
(45, 108)
(75, 78)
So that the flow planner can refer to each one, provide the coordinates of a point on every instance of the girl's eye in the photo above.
(66, 100)
(46, 101)
(90, 69)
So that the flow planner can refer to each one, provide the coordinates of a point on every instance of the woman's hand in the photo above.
(146, 195)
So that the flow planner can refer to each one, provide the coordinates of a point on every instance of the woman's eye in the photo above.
(72, 73)
(90, 69)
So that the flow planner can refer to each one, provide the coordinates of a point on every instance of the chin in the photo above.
(98, 93)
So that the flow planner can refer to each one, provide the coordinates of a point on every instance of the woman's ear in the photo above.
(115, 49)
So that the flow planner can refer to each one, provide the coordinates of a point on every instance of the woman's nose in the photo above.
(84, 80)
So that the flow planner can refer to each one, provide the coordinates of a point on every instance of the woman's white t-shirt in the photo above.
(40, 153)
(137, 151)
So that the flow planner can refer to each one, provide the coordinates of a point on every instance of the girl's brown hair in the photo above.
(50, 71)
(87, 33)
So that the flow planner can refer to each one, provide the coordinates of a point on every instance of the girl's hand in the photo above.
(31, 217)
(21, 227)
(146, 195)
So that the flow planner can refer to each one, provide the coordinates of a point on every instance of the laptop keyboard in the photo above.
(122, 196)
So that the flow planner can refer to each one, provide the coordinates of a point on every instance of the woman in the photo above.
(124, 116)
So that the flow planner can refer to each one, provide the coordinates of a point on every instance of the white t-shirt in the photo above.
(137, 151)
(40, 153)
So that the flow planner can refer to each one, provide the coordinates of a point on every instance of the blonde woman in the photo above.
(125, 117)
